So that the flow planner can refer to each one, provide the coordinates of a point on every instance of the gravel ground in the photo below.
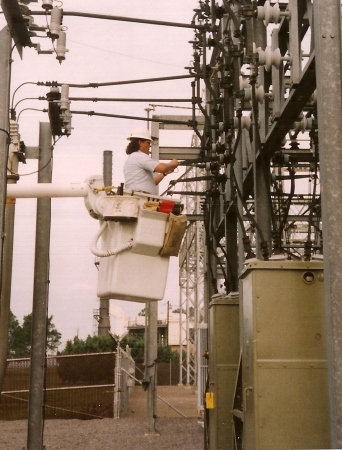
(177, 427)
(121, 434)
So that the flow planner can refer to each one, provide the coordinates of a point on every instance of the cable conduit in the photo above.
(106, 253)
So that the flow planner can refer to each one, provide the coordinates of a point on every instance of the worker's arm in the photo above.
(164, 169)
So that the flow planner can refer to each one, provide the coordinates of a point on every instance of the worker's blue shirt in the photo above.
(138, 173)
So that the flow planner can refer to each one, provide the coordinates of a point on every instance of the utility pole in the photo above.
(40, 296)
(5, 63)
(327, 20)
(104, 321)
(150, 376)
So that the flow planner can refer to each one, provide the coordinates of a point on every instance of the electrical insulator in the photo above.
(305, 124)
(61, 47)
(47, 4)
(269, 58)
(243, 83)
(259, 94)
(246, 122)
(67, 123)
(14, 132)
(54, 111)
(55, 23)
(65, 102)
(65, 108)
(269, 13)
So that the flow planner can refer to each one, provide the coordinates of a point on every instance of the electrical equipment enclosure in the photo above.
(284, 360)
(224, 352)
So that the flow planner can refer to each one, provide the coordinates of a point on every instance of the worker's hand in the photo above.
(171, 166)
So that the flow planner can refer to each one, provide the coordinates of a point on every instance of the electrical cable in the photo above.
(231, 14)
(22, 84)
(310, 221)
(120, 116)
(288, 201)
(30, 109)
(265, 169)
(27, 98)
(171, 186)
(116, 83)
(206, 223)
(236, 191)
(123, 19)
(31, 173)
(110, 252)
(146, 100)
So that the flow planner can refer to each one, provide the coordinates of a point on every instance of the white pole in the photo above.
(47, 190)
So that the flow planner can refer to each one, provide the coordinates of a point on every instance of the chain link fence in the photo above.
(167, 373)
(85, 386)
(77, 386)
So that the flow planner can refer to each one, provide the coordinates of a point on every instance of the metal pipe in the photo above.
(150, 369)
(40, 297)
(327, 37)
(47, 190)
(104, 321)
(5, 221)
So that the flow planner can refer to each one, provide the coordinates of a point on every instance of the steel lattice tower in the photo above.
(191, 278)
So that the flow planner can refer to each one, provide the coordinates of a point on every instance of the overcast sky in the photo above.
(99, 51)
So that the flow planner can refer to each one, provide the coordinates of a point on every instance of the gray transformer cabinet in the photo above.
(285, 402)
(224, 351)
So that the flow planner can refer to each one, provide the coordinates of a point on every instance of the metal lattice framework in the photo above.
(191, 276)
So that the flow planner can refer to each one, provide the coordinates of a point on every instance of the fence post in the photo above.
(117, 382)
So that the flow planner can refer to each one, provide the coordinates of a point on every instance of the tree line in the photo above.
(19, 342)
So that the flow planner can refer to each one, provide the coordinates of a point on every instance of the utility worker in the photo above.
(140, 171)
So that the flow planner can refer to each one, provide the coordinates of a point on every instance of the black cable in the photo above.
(115, 83)
(231, 14)
(30, 109)
(173, 182)
(120, 116)
(206, 224)
(257, 140)
(310, 221)
(124, 19)
(22, 84)
(214, 252)
(31, 173)
(288, 201)
(5, 131)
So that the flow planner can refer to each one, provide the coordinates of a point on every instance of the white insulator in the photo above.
(269, 58)
(269, 13)
(55, 22)
(61, 46)
(314, 97)
(246, 122)
(65, 102)
(304, 125)
(47, 4)
(14, 131)
(259, 93)
(243, 82)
